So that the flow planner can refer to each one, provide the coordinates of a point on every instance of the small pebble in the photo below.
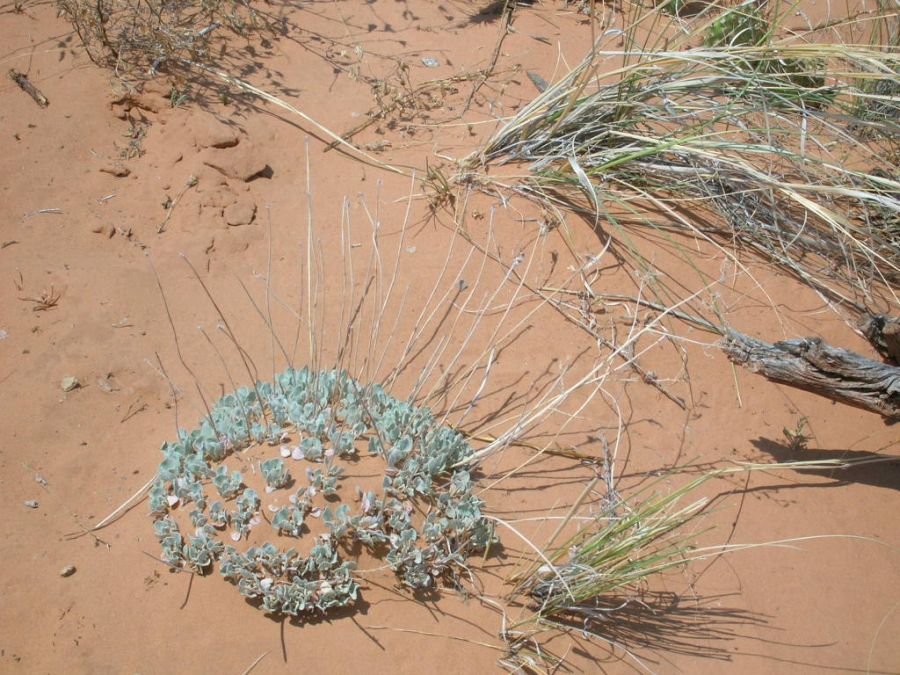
(31, 503)
(40, 480)
(67, 571)
(69, 383)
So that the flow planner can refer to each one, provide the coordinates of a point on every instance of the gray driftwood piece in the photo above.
(809, 363)
(883, 332)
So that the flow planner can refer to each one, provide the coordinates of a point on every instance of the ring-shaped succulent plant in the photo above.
(333, 418)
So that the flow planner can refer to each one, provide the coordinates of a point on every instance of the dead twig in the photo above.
(170, 205)
(25, 85)
(47, 300)
(400, 101)
(255, 663)
(647, 376)
(40, 212)
(509, 8)
(172, 568)
(133, 409)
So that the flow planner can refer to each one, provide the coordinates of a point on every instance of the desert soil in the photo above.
(85, 223)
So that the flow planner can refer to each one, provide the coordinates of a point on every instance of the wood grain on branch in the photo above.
(883, 332)
(810, 364)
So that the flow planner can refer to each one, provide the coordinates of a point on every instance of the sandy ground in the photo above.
(72, 229)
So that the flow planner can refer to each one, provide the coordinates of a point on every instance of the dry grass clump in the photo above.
(783, 144)
(138, 37)
(586, 581)
(598, 581)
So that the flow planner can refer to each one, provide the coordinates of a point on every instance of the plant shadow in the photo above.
(883, 471)
(666, 623)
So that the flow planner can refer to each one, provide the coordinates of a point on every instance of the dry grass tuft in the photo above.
(752, 145)
(137, 38)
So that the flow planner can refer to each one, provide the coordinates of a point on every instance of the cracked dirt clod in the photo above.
(242, 162)
(116, 169)
(211, 133)
(220, 197)
(242, 212)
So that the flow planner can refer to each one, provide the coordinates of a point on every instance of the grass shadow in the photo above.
(881, 472)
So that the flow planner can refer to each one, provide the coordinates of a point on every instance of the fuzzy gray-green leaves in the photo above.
(333, 414)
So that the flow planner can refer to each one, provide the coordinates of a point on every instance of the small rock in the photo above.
(116, 169)
(69, 383)
(105, 385)
(40, 480)
(31, 503)
(242, 212)
(243, 162)
(67, 571)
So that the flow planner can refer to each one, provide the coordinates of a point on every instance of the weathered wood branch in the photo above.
(883, 332)
(810, 364)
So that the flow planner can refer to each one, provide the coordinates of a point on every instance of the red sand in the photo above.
(825, 604)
